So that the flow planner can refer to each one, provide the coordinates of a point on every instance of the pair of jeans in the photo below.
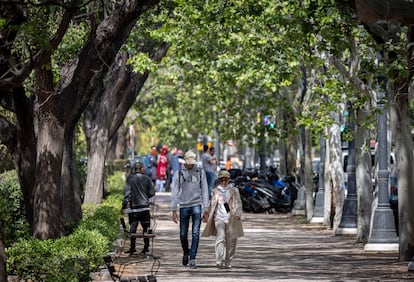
(134, 219)
(211, 178)
(159, 185)
(193, 213)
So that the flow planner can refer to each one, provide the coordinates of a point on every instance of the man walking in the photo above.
(190, 192)
(138, 189)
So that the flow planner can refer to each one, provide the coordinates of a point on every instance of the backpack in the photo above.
(181, 176)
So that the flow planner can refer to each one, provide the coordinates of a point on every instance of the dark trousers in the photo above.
(134, 219)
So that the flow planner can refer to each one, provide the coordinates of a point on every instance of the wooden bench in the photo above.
(116, 275)
(149, 234)
(116, 263)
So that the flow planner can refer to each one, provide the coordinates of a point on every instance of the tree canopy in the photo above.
(230, 60)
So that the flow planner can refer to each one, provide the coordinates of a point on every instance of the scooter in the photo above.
(254, 199)
(281, 194)
(262, 195)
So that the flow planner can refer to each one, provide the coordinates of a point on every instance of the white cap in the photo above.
(190, 157)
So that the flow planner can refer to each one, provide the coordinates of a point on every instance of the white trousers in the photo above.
(225, 247)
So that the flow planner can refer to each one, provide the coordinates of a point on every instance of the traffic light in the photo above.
(199, 146)
(266, 120)
(269, 121)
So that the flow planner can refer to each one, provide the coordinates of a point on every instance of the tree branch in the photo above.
(43, 54)
(356, 81)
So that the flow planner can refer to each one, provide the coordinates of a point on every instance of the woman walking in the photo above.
(224, 220)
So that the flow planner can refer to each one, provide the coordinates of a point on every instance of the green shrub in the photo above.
(12, 209)
(73, 257)
(80, 253)
(116, 183)
(70, 258)
(104, 219)
(31, 259)
(115, 187)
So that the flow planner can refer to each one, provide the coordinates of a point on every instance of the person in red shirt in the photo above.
(162, 167)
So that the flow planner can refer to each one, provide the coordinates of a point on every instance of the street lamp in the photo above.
(383, 236)
(348, 224)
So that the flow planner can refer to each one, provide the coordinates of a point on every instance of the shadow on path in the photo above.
(276, 247)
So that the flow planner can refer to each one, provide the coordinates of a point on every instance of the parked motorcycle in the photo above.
(258, 195)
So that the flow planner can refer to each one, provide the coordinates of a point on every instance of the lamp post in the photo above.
(348, 224)
(262, 155)
(383, 236)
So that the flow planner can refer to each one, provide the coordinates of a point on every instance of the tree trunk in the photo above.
(405, 164)
(363, 174)
(70, 185)
(282, 156)
(104, 117)
(98, 138)
(292, 146)
(336, 172)
(47, 197)
(22, 147)
(114, 148)
(385, 10)
(49, 120)
(308, 173)
(117, 145)
(327, 186)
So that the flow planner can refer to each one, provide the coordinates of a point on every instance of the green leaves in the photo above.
(230, 60)
(141, 63)
(12, 213)
(235, 50)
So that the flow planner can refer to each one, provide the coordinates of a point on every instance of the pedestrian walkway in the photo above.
(276, 247)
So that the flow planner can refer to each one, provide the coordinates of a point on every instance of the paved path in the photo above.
(276, 247)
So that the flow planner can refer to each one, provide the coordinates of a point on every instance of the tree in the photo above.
(45, 120)
(249, 63)
(379, 10)
(104, 116)
(396, 38)
(126, 77)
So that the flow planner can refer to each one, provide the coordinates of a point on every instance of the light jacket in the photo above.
(235, 204)
(189, 188)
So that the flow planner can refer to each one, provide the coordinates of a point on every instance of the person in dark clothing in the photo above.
(137, 192)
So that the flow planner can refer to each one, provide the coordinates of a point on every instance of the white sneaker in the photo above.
(192, 264)
(220, 264)
(227, 265)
